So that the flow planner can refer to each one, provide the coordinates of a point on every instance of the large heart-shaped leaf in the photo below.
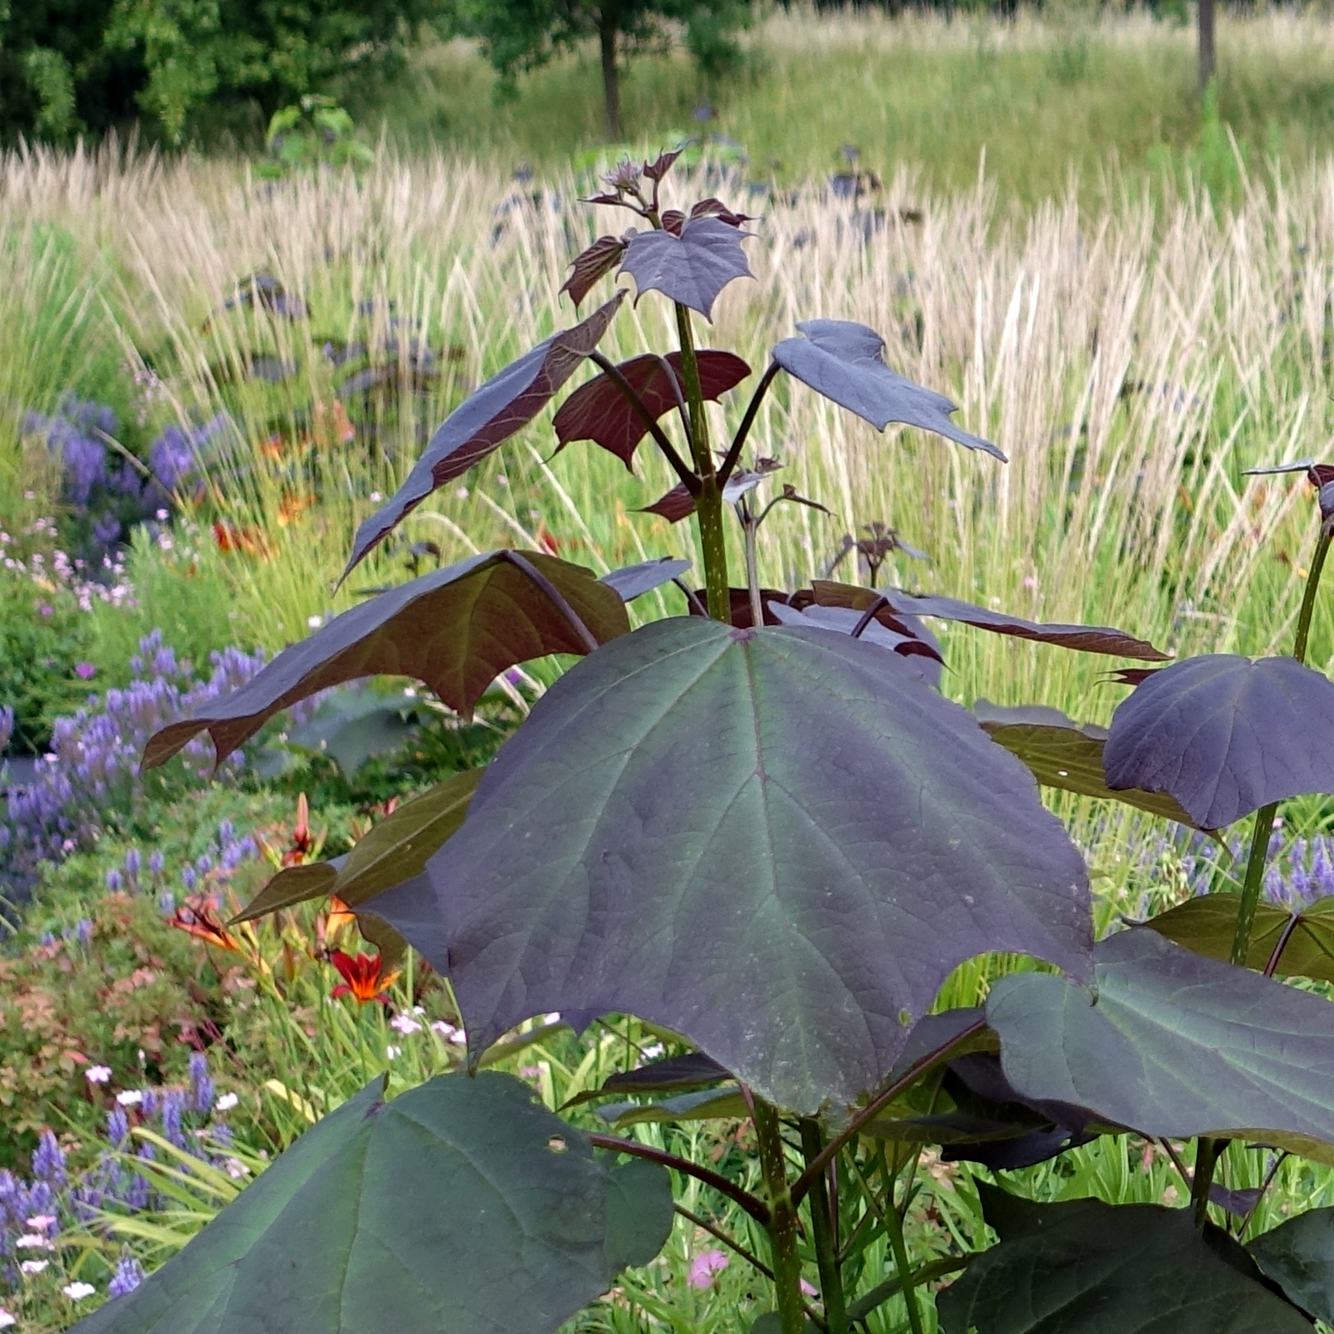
(396, 850)
(1299, 1256)
(600, 412)
(690, 267)
(1225, 735)
(1085, 638)
(1065, 755)
(485, 419)
(1207, 925)
(1085, 1267)
(1176, 1045)
(454, 629)
(775, 842)
(845, 362)
(461, 1206)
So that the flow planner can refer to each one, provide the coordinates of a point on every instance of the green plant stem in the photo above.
(882, 1293)
(1264, 817)
(822, 1228)
(1207, 1153)
(751, 528)
(709, 501)
(721, 1184)
(782, 1226)
(907, 1277)
(1209, 1150)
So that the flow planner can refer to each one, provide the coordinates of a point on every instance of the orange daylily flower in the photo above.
(363, 977)
(338, 915)
(291, 507)
(248, 540)
(200, 922)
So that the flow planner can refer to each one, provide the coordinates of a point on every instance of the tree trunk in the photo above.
(1208, 59)
(611, 73)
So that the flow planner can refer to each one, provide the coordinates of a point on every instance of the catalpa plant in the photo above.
(760, 827)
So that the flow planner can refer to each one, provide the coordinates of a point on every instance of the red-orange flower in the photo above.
(198, 921)
(249, 540)
(363, 977)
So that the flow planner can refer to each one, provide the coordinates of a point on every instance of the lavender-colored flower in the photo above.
(173, 1112)
(166, 903)
(118, 1127)
(48, 1160)
(114, 880)
(6, 726)
(156, 862)
(133, 863)
(201, 1084)
(128, 1274)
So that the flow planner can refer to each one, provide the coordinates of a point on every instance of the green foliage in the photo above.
(315, 132)
(65, 71)
(126, 985)
(521, 35)
(43, 639)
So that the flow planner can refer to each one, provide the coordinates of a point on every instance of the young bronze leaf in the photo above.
(1225, 735)
(484, 420)
(722, 857)
(634, 581)
(845, 362)
(691, 268)
(1085, 638)
(1208, 923)
(455, 630)
(1085, 1267)
(739, 604)
(395, 850)
(591, 264)
(1299, 1256)
(598, 411)
(715, 208)
(1066, 755)
(474, 1169)
(679, 504)
(1175, 1045)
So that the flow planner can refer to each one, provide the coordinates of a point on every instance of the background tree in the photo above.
(520, 35)
(70, 67)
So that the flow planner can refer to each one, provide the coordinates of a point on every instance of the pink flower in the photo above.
(85, 670)
(704, 1266)
(809, 1289)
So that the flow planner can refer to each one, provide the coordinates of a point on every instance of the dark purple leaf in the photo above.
(1085, 1267)
(635, 580)
(722, 858)
(590, 265)
(1298, 1255)
(739, 602)
(691, 268)
(1207, 925)
(715, 208)
(1239, 1203)
(598, 411)
(454, 629)
(911, 641)
(845, 362)
(661, 165)
(393, 852)
(1066, 755)
(267, 293)
(534, 1222)
(487, 418)
(1173, 1045)
(679, 504)
(673, 220)
(1085, 638)
(1225, 735)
